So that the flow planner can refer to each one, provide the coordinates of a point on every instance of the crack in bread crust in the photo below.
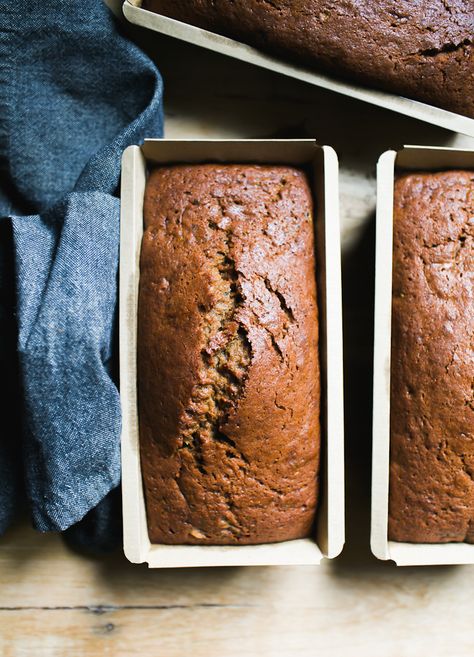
(226, 359)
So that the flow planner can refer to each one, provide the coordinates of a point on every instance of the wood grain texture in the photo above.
(223, 631)
(54, 602)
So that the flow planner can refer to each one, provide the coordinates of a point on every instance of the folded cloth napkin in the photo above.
(74, 93)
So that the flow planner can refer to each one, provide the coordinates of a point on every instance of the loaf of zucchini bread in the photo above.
(228, 364)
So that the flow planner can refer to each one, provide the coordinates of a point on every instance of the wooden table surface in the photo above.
(55, 602)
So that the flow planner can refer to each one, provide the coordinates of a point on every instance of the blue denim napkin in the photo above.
(73, 94)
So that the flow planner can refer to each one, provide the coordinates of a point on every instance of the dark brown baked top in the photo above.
(422, 49)
(228, 367)
(432, 371)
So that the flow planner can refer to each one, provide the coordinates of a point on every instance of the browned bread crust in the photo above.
(432, 375)
(422, 49)
(228, 367)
